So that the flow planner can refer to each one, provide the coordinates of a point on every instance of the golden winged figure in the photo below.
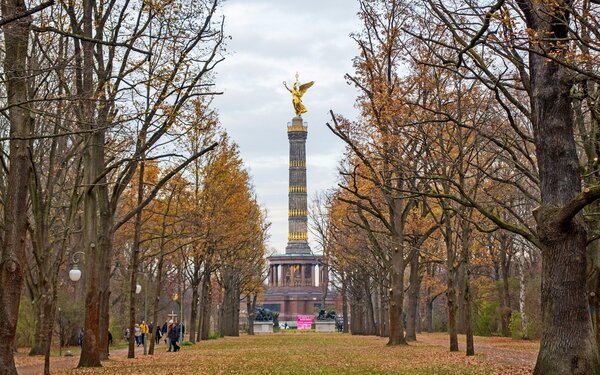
(297, 92)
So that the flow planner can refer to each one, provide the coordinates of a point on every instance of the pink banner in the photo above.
(305, 321)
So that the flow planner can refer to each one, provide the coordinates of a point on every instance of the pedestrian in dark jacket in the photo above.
(165, 329)
(158, 335)
(174, 336)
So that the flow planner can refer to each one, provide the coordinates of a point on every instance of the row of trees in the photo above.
(475, 156)
(110, 148)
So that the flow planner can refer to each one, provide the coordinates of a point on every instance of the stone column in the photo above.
(302, 275)
(297, 205)
(317, 270)
(280, 273)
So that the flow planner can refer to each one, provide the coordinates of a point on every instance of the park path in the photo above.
(35, 365)
(496, 349)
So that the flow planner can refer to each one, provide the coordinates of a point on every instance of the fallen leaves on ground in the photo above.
(311, 353)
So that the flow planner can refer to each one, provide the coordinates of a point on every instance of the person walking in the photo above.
(168, 335)
(165, 329)
(144, 330)
(174, 336)
(138, 334)
(157, 336)
(110, 341)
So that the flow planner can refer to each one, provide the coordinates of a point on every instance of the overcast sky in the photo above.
(271, 41)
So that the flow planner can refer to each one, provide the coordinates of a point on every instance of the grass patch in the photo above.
(309, 353)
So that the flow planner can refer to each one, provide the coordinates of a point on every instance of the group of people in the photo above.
(170, 331)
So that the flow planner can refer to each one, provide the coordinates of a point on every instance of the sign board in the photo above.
(305, 321)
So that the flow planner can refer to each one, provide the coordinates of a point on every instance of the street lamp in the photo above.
(75, 272)
(60, 331)
(138, 290)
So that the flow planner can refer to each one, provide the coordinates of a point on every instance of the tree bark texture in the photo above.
(135, 260)
(466, 257)
(204, 326)
(568, 345)
(12, 253)
(413, 299)
(397, 300)
(251, 309)
(194, 311)
(345, 305)
(450, 281)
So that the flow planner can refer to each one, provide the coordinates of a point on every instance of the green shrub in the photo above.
(25, 324)
(486, 318)
(214, 336)
(515, 325)
(187, 343)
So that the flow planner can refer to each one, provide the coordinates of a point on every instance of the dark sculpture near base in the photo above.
(265, 315)
(327, 315)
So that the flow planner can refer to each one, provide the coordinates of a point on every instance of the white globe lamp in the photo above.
(75, 273)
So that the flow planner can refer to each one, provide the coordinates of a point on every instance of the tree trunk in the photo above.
(90, 351)
(135, 256)
(12, 253)
(568, 345)
(230, 304)
(522, 294)
(251, 308)
(157, 290)
(45, 309)
(105, 241)
(429, 315)
(451, 288)
(382, 318)
(460, 299)
(413, 299)
(202, 302)
(204, 326)
(376, 298)
(466, 258)
(356, 314)
(194, 312)
(397, 296)
(505, 292)
(345, 305)
(159, 271)
(371, 328)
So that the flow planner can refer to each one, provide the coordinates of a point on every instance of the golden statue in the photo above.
(297, 92)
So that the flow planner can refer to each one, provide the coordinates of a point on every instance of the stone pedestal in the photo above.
(263, 327)
(322, 326)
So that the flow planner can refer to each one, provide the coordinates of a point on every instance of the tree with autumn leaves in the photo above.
(96, 95)
(483, 114)
(206, 228)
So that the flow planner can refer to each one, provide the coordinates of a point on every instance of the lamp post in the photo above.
(138, 290)
(181, 327)
(60, 332)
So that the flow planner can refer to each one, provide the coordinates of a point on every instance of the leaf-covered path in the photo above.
(495, 349)
(313, 353)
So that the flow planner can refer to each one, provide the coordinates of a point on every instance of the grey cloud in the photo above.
(271, 40)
